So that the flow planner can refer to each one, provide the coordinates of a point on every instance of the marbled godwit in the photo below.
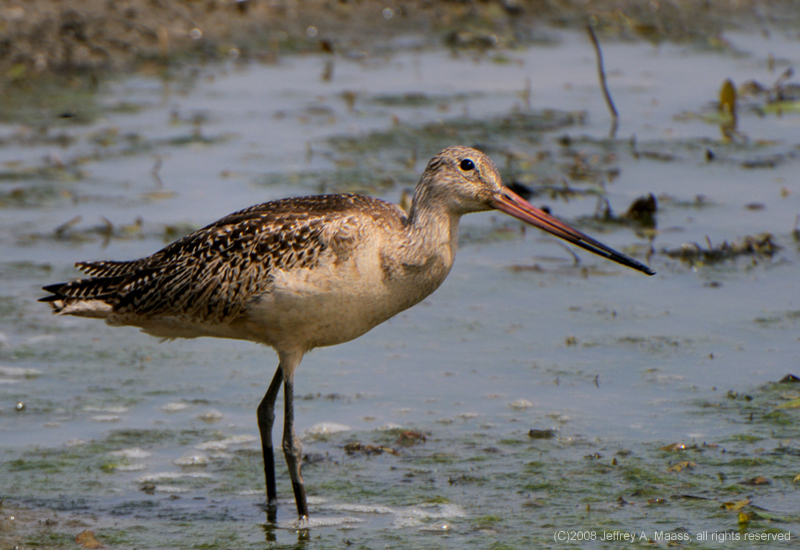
(296, 274)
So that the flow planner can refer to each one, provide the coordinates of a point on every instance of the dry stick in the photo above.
(602, 73)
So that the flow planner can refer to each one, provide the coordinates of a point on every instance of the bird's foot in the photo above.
(272, 510)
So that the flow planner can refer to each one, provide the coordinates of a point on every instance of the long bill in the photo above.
(512, 204)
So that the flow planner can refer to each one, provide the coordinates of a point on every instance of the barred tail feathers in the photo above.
(82, 298)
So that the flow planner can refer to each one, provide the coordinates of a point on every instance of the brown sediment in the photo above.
(46, 36)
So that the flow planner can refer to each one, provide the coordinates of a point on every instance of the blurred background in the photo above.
(541, 390)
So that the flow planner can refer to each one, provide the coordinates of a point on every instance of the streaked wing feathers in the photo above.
(212, 274)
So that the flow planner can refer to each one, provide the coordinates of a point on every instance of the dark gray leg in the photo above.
(266, 419)
(292, 449)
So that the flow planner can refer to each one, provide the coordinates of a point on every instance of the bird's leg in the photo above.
(292, 449)
(266, 419)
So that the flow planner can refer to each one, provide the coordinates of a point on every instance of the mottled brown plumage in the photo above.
(306, 272)
(211, 275)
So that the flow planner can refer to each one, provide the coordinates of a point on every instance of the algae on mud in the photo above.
(615, 485)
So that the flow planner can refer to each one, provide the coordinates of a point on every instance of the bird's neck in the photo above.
(432, 234)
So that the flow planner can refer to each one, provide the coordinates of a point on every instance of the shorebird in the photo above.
(301, 273)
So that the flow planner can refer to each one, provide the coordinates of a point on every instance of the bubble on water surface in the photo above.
(326, 428)
(222, 444)
(174, 407)
(192, 458)
(132, 452)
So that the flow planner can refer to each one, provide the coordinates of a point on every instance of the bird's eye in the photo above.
(467, 165)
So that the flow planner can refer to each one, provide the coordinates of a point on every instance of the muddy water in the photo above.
(657, 396)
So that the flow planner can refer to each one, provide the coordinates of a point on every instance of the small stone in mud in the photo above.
(643, 209)
(541, 434)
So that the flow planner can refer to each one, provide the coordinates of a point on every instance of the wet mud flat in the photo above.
(539, 394)
(465, 484)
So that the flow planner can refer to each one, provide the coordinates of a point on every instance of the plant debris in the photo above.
(358, 447)
(757, 245)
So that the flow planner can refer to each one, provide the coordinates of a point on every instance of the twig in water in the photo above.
(154, 172)
(602, 73)
(575, 257)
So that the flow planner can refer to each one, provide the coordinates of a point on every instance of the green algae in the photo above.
(527, 127)
(418, 99)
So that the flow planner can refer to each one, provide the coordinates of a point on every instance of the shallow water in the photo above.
(108, 429)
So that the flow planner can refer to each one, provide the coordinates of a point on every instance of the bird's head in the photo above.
(460, 180)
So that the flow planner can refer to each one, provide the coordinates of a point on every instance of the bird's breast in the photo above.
(339, 300)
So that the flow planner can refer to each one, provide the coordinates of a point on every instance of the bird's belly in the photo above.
(327, 309)
(293, 321)
(311, 322)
